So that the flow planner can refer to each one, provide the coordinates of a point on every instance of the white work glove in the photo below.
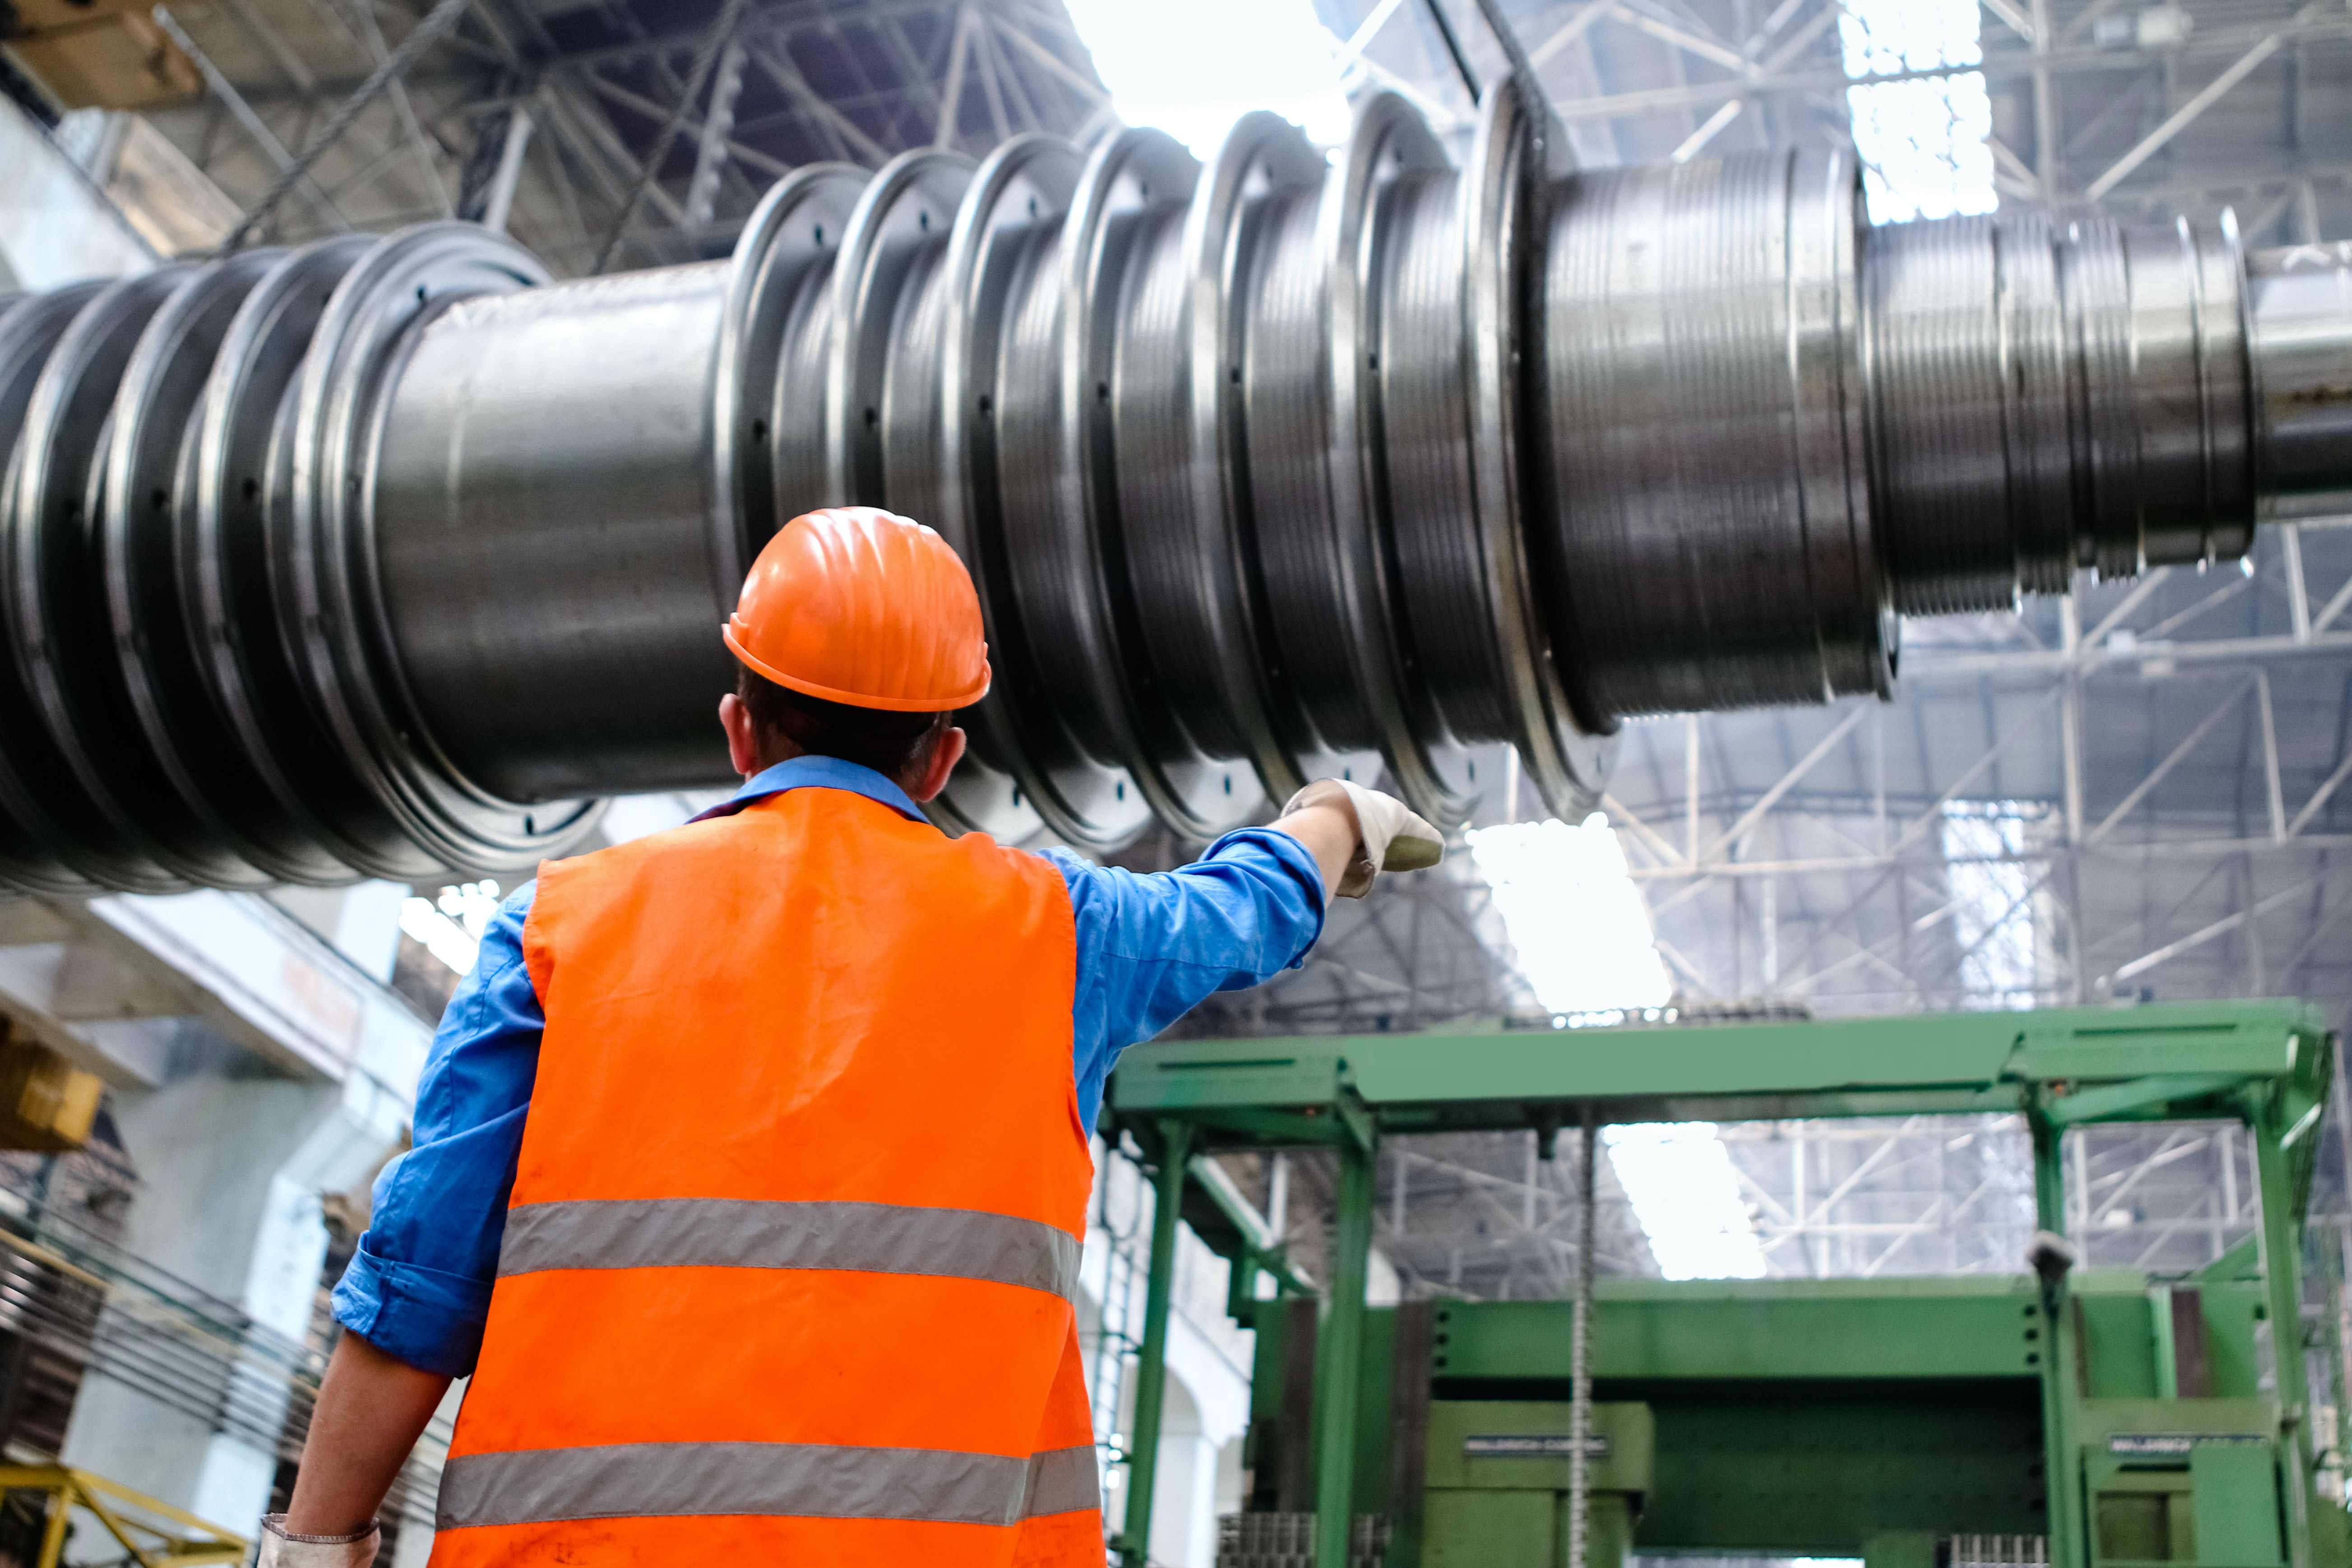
(279, 1550)
(1393, 838)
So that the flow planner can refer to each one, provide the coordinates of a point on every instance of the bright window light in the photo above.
(1579, 924)
(1686, 1199)
(1191, 70)
(1923, 144)
(1992, 896)
(451, 926)
(1586, 949)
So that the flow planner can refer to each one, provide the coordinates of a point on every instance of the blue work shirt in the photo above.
(1148, 948)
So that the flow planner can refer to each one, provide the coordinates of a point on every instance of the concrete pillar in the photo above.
(1183, 1513)
(362, 920)
(232, 1170)
(414, 1548)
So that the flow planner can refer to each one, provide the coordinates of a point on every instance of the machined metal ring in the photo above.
(1053, 403)
(60, 653)
(40, 848)
(1128, 427)
(899, 228)
(1253, 310)
(1015, 203)
(173, 781)
(282, 780)
(1388, 142)
(795, 231)
(350, 660)
(1567, 756)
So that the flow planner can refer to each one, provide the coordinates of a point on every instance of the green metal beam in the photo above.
(1962, 1329)
(1338, 1358)
(2282, 1253)
(1175, 1142)
(2069, 1541)
(1225, 1220)
(1267, 1093)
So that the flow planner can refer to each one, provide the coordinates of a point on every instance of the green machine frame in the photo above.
(2089, 1407)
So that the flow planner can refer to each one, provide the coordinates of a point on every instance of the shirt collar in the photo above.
(817, 773)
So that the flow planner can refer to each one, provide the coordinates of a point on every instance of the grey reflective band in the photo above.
(737, 1233)
(1063, 1480)
(806, 1480)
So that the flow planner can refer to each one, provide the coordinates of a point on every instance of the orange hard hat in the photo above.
(860, 605)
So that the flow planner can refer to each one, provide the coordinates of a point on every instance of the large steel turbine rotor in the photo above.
(384, 557)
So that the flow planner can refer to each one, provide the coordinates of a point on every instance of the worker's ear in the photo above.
(944, 758)
(742, 734)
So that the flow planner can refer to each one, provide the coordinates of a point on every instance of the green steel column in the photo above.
(1338, 1357)
(1151, 1357)
(2332, 1276)
(2049, 1172)
(2061, 1463)
(2281, 1254)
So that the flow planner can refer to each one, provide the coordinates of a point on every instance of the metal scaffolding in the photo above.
(585, 128)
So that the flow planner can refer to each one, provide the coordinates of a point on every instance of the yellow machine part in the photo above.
(154, 1532)
(46, 1103)
(121, 60)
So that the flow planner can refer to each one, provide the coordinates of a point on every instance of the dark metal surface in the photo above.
(1713, 544)
(52, 662)
(2297, 302)
(1279, 467)
(2045, 398)
(150, 472)
(522, 632)
(334, 611)
(265, 766)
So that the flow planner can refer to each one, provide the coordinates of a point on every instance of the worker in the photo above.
(751, 1159)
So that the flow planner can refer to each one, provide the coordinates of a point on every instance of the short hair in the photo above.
(889, 741)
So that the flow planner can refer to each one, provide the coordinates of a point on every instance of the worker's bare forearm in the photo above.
(372, 1409)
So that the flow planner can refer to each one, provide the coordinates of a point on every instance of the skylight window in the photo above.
(1191, 70)
(451, 926)
(1581, 930)
(1923, 142)
(1686, 1199)
(1586, 949)
(1992, 894)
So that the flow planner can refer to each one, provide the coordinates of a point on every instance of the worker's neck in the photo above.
(775, 746)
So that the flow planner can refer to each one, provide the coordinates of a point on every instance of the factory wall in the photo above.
(235, 1171)
(57, 225)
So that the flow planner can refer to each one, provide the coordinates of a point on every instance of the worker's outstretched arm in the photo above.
(1152, 946)
(372, 1409)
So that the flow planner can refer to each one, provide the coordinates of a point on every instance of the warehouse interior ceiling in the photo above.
(2138, 793)
(586, 92)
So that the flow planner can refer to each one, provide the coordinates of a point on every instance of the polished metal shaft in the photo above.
(387, 557)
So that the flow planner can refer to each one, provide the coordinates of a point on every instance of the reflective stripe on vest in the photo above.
(805, 1479)
(741, 1233)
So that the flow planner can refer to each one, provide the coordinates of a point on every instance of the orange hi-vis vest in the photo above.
(788, 1271)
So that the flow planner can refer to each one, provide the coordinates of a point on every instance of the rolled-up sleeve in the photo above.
(419, 1286)
(1152, 945)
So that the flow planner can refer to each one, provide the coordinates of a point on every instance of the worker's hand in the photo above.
(279, 1550)
(1390, 837)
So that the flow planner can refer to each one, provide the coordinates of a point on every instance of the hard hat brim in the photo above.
(806, 687)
